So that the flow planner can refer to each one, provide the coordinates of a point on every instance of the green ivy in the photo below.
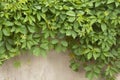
(89, 29)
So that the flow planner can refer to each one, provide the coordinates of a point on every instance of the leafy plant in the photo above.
(89, 29)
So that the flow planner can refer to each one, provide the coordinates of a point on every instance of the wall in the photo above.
(53, 67)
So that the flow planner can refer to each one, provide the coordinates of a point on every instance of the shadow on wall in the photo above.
(28, 67)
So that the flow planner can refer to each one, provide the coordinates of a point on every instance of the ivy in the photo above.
(89, 29)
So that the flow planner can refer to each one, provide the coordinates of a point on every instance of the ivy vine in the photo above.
(89, 29)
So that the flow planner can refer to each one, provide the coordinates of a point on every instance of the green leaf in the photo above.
(103, 27)
(8, 23)
(90, 75)
(86, 51)
(44, 9)
(97, 70)
(106, 54)
(43, 53)
(32, 18)
(64, 43)
(44, 46)
(8, 46)
(24, 45)
(54, 41)
(70, 13)
(38, 17)
(38, 7)
(88, 68)
(36, 51)
(89, 56)
(6, 31)
(2, 50)
(95, 55)
(22, 29)
(75, 66)
(1, 35)
(74, 34)
(29, 44)
(71, 19)
(13, 29)
(43, 16)
(68, 32)
(32, 29)
(63, 17)
(60, 48)
(110, 1)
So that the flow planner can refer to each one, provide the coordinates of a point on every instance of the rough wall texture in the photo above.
(53, 67)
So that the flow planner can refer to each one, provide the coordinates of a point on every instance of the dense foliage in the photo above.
(89, 29)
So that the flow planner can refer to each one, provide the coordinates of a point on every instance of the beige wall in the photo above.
(53, 67)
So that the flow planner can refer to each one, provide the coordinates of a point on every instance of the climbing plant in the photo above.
(88, 29)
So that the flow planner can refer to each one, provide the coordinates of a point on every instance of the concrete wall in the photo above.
(53, 67)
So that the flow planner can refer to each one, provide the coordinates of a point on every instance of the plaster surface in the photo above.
(53, 67)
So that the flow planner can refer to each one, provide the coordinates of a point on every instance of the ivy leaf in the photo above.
(13, 29)
(63, 17)
(64, 43)
(29, 44)
(75, 66)
(95, 55)
(44, 46)
(22, 29)
(86, 51)
(43, 53)
(2, 50)
(31, 29)
(68, 32)
(24, 45)
(38, 7)
(110, 1)
(36, 51)
(8, 23)
(8, 46)
(44, 9)
(70, 13)
(88, 68)
(71, 19)
(6, 31)
(55, 41)
(103, 27)
(1, 35)
(90, 75)
(97, 70)
(38, 17)
(74, 34)
(60, 48)
(89, 56)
